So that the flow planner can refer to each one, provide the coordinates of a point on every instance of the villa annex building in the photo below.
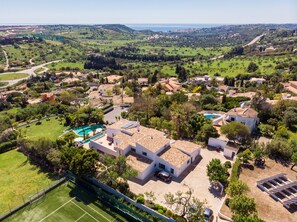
(146, 149)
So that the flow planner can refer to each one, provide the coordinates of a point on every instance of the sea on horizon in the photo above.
(170, 27)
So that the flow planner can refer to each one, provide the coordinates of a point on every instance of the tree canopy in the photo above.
(236, 131)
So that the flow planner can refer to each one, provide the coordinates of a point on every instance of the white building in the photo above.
(258, 80)
(146, 149)
(229, 148)
(247, 116)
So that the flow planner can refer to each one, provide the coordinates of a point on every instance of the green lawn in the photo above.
(50, 128)
(19, 180)
(12, 76)
(67, 203)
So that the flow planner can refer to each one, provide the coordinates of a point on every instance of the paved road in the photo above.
(30, 72)
(250, 43)
(254, 40)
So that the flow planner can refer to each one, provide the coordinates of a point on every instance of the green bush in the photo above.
(6, 146)
(140, 199)
(227, 201)
(228, 164)
(160, 211)
(235, 170)
(168, 213)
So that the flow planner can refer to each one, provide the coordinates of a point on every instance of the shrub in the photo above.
(243, 205)
(6, 146)
(228, 164)
(227, 201)
(160, 211)
(168, 213)
(140, 199)
(237, 187)
(235, 170)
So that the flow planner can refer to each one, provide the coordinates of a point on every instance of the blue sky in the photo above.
(148, 11)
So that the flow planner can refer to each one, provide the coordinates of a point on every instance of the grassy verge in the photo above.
(12, 76)
(19, 180)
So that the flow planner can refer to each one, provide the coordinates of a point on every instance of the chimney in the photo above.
(138, 126)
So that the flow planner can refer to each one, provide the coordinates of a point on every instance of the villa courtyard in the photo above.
(194, 177)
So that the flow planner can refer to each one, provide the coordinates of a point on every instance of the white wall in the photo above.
(168, 166)
(112, 132)
(143, 175)
(102, 148)
(228, 153)
(140, 149)
(217, 142)
(249, 122)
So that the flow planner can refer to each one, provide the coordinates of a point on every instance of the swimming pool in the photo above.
(80, 131)
(211, 116)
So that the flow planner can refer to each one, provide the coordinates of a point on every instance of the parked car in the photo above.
(208, 215)
(163, 175)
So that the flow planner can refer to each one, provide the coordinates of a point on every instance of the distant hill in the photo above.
(118, 28)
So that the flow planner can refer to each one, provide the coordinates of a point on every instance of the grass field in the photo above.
(66, 203)
(12, 76)
(19, 179)
(51, 129)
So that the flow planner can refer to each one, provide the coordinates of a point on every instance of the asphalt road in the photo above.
(30, 72)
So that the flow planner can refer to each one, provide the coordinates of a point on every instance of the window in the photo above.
(144, 153)
(162, 166)
(133, 150)
(188, 162)
(172, 171)
(232, 119)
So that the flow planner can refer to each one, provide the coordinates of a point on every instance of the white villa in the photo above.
(146, 149)
(247, 116)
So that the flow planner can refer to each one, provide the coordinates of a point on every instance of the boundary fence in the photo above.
(32, 199)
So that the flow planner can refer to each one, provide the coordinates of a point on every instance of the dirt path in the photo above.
(31, 63)
(7, 61)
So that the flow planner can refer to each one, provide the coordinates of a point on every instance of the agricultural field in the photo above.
(19, 179)
(50, 128)
(183, 51)
(12, 76)
(235, 66)
(38, 53)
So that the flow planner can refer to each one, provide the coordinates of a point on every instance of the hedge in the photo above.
(235, 170)
(6, 146)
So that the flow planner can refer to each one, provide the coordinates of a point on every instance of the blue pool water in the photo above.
(211, 116)
(80, 130)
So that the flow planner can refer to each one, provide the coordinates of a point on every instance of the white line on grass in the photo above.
(56, 209)
(85, 212)
(99, 213)
(80, 217)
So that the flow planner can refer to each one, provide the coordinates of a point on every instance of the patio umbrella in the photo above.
(79, 139)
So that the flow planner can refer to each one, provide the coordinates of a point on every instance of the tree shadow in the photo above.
(216, 192)
(88, 196)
